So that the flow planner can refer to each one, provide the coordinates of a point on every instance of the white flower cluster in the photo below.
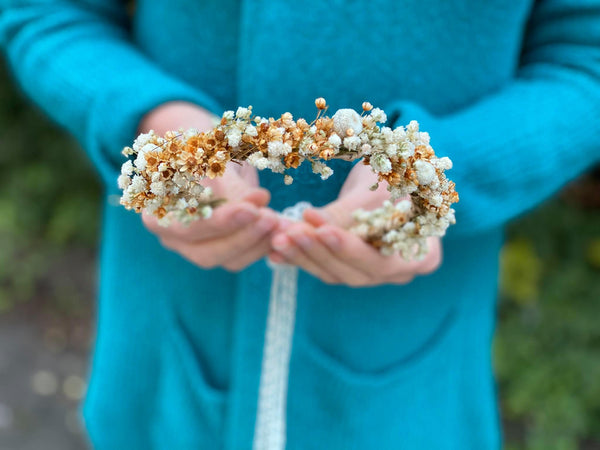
(394, 228)
(404, 159)
(158, 185)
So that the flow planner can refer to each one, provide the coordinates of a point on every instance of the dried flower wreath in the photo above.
(165, 178)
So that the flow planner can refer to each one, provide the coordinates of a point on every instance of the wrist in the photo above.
(175, 115)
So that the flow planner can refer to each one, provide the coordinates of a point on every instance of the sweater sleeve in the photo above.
(519, 145)
(75, 59)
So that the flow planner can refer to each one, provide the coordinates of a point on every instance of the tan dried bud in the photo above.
(292, 160)
(366, 106)
(303, 124)
(320, 103)
(350, 132)
(327, 153)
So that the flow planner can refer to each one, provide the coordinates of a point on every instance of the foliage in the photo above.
(48, 201)
(548, 341)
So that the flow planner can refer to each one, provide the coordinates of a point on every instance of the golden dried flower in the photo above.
(326, 154)
(216, 168)
(366, 106)
(292, 160)
(320, 103)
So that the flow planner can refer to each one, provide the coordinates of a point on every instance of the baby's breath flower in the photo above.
(322, 169)
(381, 163)
(335, 140)
(180, 179)
(406, 149)
(425, 172)
(158, 188)
(251, 131)
(443, 163)
(140, 161)
(221, 156)
(278, 148)
(243, 113)
(142, 140)
(365, 149)
(378, 115)
(234, 137)
(260, 163)
(424, 138)
(189, 133)
(138, 184)
(351, 142)
(182, 203)
(127, 168)
(123, 181)
(206, 212)
(346, 119)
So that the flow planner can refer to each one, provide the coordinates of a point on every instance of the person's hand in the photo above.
(238, 233)
(323, 246)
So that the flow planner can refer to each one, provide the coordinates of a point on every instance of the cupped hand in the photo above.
(323, 246)
(238, 233)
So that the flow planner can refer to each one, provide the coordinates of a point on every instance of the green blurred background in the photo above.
(547, 348)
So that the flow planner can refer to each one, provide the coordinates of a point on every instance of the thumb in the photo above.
(231, 187)
(354, 195)
(258, 196)
(338, 212)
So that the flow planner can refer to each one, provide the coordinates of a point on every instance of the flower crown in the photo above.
(165, 178)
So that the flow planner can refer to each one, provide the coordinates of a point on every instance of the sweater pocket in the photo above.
(190, 412)
(412, 404)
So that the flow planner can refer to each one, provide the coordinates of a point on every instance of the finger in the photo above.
(354, 194)
(323, 257)
(259, 197)
(433, 259)
(226, 220)
(276, 257)
(217, 252)
(248, 173)
(314, 217)
(362, 256)
(250, 256)
(257, 251)
(239, 183)
(291, 254)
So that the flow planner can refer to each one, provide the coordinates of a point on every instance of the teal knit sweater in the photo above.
(509, 89)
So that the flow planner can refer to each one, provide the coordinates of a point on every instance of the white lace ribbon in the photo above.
(270, 429)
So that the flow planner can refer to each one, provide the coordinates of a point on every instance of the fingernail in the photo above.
(280, 243)
(244, 217)
(330, 240)
(302, 240)
(276, 258)
(284, 223)
(266, 224)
